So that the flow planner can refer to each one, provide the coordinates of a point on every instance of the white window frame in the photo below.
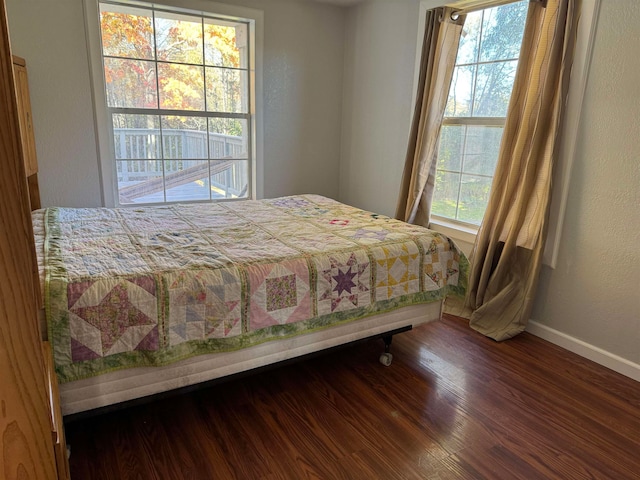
(106, 153)
(465, 234)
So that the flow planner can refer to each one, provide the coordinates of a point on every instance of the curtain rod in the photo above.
(484, 5)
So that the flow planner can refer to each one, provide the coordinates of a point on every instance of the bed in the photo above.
(144, 300)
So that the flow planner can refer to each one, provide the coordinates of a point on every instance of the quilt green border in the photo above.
(58, 328)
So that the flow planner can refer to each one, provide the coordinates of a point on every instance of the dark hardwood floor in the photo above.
(453, 405)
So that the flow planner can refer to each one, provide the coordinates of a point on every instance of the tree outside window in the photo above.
(476, 110)
(177, 91)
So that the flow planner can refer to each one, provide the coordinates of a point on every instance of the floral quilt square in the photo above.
(280, 293)
(110, 316)
(441, 267)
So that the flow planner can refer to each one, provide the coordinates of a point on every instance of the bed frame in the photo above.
(105, 391)
(121, 387)
(115, 388)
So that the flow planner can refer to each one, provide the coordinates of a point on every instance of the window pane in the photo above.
(181, 87)
(482, 82)
(184, 137)
(126, 32)
(445, 196)
(474, 196)
(177, 61)
(140, 181)
(186, 180)
(130, 83)
(228, 138)
(226, 90)
(225, 44)
(470, 39)
(229, 179)
(136, 136)
(460, 92)
(493, 89)
(178, 38)
(450, 147)
(482, 147)
(502, 31)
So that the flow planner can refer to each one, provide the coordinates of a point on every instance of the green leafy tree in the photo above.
(501, 39)
(481, 87)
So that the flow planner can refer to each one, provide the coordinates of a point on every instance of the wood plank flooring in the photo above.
(453, 405)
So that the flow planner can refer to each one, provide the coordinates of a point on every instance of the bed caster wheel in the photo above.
(386, 359)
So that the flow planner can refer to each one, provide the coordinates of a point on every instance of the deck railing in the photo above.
(186, 151)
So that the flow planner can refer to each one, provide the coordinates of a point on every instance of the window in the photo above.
(476, 109)
(178, 89)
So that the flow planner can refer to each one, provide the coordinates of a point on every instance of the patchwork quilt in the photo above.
(147, 286)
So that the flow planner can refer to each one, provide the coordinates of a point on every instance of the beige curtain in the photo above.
(439, 50)
(507, 255)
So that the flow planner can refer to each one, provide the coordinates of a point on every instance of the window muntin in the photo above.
(475, 112)
(178, 95)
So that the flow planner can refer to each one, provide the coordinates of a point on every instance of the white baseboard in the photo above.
(586, 350)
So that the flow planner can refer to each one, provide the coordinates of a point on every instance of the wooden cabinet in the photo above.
(57, 427)
(24, 115)
(27, 135)
(31, 437)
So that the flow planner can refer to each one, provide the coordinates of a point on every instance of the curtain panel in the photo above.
(439, 51)
(507, 255)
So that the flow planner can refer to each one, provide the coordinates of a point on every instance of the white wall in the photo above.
(380, 53)
(303, 51)
(592, 299)
(50, 36)
(303, 77)
(594, 293)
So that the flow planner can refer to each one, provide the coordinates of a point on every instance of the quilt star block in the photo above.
(344, 281)
(397, 270)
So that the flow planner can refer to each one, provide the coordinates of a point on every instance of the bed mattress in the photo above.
(149, 286)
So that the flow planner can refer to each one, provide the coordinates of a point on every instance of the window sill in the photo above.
(463, 235)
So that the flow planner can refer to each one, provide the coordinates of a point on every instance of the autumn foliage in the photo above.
(174, 62)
